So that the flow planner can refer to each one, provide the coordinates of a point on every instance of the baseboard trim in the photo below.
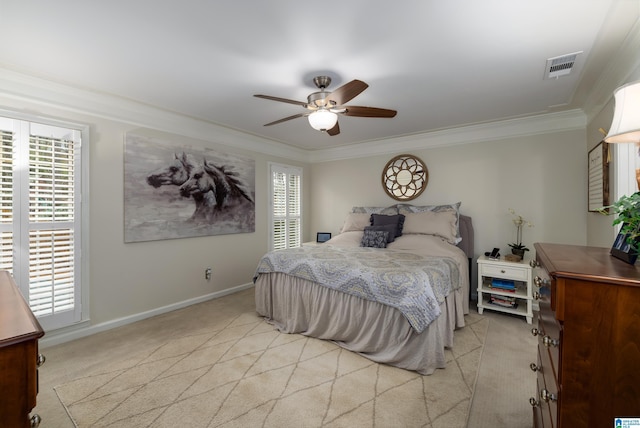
(81, 330)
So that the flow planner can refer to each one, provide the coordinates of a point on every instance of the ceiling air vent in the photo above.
(560, 65)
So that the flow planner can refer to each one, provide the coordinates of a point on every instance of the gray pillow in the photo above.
(374, 238)
(376, 210)
(389, 228)
(382, 220)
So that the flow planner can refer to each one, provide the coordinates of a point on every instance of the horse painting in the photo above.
(176, 174)
(171, 192)
(229, 191)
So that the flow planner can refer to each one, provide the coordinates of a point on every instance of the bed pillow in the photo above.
(389, 228)
(408, 208)
(392, 210)
(442, 223)
(374, 238)
(356, 222)
(382, 220)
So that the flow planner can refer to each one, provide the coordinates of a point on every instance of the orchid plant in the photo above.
(520, 222)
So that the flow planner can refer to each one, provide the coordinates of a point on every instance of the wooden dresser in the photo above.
(588, 368)
(19, 358)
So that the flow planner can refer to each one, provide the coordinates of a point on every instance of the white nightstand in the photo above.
(505, 286)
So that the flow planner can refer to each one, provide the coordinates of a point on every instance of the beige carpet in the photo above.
(240, 372)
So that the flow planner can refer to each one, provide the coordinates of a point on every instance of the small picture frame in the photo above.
(322, 237)
(622, 249)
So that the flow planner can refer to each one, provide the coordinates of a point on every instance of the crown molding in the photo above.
(511, 128)
(46, 93)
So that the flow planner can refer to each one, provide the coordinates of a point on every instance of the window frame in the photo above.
(80, 313)
(288, 170)
(624, 169)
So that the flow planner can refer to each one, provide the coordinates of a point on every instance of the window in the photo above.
(626, 162)
(40, 218)
(285, 214)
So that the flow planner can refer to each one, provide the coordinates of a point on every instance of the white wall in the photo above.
(542, 177)
(130, 279)
(600, 232)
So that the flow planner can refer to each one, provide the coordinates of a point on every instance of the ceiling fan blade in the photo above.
(295, 116)
(347, 92)
(335, 130)
(368, 111)
(282, 100)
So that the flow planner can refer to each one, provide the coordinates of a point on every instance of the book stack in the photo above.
(504, 286)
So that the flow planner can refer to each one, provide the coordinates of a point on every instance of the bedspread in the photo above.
(416, 285)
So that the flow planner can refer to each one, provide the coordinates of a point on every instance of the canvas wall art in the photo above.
(172, 190)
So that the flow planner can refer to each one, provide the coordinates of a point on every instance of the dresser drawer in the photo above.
(19, 334)
(538, 419)
(550, 337)
(508, 272)
(548, 392)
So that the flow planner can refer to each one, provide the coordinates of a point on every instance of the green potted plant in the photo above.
(627, 211)
(518, 248)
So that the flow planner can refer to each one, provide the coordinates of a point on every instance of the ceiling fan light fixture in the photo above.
(323, 120)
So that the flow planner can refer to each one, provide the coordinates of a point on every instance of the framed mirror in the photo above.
(405, 177)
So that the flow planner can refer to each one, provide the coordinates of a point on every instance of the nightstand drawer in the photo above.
(520, 274)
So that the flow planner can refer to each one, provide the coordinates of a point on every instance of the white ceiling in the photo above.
(439, 63)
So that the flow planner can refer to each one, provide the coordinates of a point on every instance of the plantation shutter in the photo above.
(6, 196)
(286, 230)
(40, 224)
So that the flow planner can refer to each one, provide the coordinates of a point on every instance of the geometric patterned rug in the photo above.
(247, 374)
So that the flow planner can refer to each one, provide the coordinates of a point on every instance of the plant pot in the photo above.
(518, 252)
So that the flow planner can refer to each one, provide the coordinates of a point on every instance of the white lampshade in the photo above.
(323, 120)
(625, 126)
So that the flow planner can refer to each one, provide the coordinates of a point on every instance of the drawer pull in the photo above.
(40, 360)
(534, 402)
(549, 342)
(539, 282)
(503, 271)
(35, 421)
(535, 367)
(535, 331)
(536, 295)
(534, 263)
(547, 396)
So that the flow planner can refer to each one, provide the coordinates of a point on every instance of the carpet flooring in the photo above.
(218, 364)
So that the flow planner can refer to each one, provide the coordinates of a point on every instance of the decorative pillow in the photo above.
(442, 223)
(356, 222)
(392, 210)
(389, 228)
(381, 220)
(374, 238)
(408, 208)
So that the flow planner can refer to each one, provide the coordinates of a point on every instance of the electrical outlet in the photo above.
(207, 274)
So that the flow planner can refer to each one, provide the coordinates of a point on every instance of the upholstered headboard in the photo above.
(465, 226)
(466, 232)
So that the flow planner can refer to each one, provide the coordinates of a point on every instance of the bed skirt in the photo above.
(375, 331)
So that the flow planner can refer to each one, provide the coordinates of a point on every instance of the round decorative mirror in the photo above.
(405, 177)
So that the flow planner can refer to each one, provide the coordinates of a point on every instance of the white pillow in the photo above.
(441, 223)
(356, 222)
(408, 208)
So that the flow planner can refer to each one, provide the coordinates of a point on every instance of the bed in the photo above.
(396, 302)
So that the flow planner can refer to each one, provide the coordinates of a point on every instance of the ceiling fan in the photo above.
(324, 107)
